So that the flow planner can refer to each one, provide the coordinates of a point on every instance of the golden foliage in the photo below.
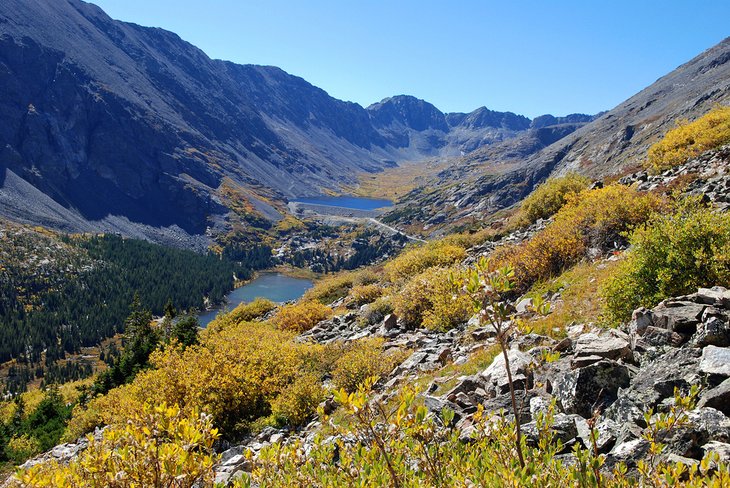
(245, 312)
(155, 446)
(301, 316)
(363, 294)
(690, 139)
(417, 259)
(591, 219)
(550, 196)
(296, 403)
(363, 359)
(429, 300)
(235, 375)
(331, 288)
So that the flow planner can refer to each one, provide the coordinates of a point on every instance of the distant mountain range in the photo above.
(498, 175)
(110, 126)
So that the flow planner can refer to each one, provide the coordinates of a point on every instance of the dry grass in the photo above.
(580, 301)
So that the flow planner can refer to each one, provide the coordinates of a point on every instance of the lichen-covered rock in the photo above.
(654, 382)
(584, 390)
(715, 360)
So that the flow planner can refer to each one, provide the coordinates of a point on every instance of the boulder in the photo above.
(563, 429)
(609, 345)
(714, 330)
(605, 430)
(715, 360)
(678, 316)
(390, 322)
(717, 296)
(654, 382)
(584, 390)
(718, 397)
(520, 366)
(722, 449)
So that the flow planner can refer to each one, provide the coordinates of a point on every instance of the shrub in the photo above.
(331, 288)
(671, 256)
(429, 300)
(297, 403)
(417, 259)
(397, 442)
(302, 316)
(592, 219)
(246, 312)
(363, 294)
(688, 140)
(156, 446)
(234, 374)
(550, 196)
(22, 447)
(363, 359)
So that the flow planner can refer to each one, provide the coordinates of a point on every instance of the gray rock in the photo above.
(583, 390)
(715, 360)
(605, 430)
(563, 429)
(390, 322)
(610, 345)
(520, 367)
(722, 449)
(654, 382)
(718, 397)
(717, 296)
(678, 315)
(714, 331)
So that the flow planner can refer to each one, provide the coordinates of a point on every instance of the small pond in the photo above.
(356, 203)
(276, 287)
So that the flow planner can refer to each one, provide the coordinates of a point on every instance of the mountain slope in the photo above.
(497, 176)
(116, 127)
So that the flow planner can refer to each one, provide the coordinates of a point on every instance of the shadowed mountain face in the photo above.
(112, 119)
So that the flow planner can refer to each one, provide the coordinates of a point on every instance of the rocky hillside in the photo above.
(112, 126)
(499, 175)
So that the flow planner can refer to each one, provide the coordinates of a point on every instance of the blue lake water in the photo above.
(356, 203)
(276, 287)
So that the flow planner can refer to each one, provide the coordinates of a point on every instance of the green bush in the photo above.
(671, 256)
(550, 196)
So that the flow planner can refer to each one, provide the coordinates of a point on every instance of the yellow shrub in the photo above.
(429, 300)
(331, 288)
(155, 446)
(594, 218)
(234, 374)
(363, 294)
(418, 259)
(302, 316)
(297, 403)
(363, 359)
(688, 140)
(550, 196)
(246, 312)
(21, 448)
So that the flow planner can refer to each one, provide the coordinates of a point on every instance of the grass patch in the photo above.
(580, 302)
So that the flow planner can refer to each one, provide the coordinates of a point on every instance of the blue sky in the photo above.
(529, 57)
